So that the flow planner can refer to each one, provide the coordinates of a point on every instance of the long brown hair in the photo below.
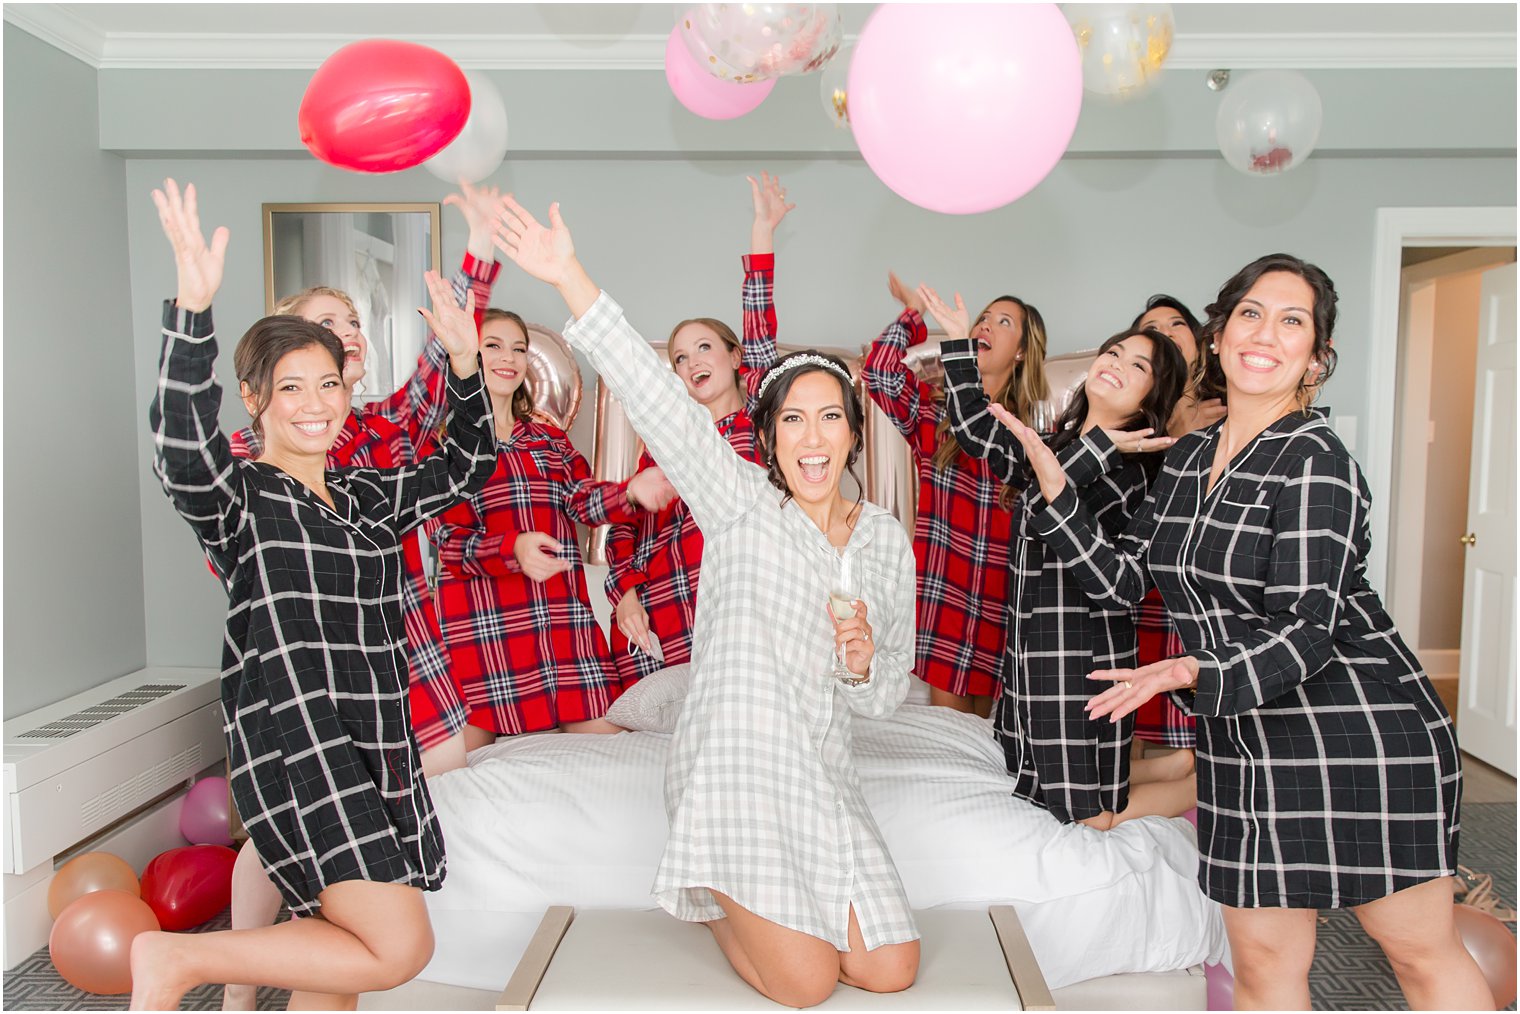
(269, 340)
(1025, 386)
(523, 404)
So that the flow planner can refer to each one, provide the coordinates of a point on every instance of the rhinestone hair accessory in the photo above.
(794, 361)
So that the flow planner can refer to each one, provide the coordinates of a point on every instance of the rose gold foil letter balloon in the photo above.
(555, 375)
(1064, 374)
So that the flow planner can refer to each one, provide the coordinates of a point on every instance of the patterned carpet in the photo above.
(1350, 972)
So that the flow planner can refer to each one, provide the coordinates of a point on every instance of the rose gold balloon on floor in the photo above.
(87, 873)
(91, 943)
(1492, 946)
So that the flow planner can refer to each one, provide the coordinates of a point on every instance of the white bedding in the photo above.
(556, 819)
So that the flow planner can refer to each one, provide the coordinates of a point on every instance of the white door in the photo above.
(1486, 713)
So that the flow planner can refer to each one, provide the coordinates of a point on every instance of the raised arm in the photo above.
(717, 484)
(892, 385)
(467, 458)
(420, 404)
(759, 343)
(191, 456)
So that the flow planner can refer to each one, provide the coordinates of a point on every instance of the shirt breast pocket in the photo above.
(1235, 546)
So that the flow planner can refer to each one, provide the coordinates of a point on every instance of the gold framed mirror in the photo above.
(375, 252)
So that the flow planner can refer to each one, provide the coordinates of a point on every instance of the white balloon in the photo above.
(1268, 122)
(832, 85)
(478, 150)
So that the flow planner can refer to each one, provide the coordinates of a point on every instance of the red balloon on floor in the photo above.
(380, 105)
(186, 886)
(91, 943)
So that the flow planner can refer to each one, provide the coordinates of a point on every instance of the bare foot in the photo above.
(239, 997)
(159, 980)
(1102, 822)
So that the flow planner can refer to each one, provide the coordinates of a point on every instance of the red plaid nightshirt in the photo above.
(527, 655)
(960, 536)
(1158, 720)
(401, 430)
(660, 553)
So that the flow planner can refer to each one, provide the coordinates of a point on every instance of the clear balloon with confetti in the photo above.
(1123, 45)
(756, 42)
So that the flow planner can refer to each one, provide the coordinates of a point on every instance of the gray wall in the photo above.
(1088, 246)
(73, 561)
(660, 211)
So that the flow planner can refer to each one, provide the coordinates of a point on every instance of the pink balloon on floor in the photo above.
(1192, 817)
(205, 817)
(999, 86)
(1221, 986)
(701, 92)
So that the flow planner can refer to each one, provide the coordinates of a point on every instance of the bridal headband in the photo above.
(793, 361)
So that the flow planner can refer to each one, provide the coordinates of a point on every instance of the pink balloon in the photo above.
(703, 94)
(205, 817)
(1002, 83)
(1221, 987)
(1192, 817)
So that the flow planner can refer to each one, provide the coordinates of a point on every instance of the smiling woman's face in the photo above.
(813, 437)
(1267, 344)
(705, 364)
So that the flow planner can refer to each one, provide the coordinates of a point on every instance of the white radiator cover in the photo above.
(62, 791)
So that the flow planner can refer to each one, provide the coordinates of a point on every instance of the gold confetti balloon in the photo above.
(833, 86)
(757, 42)
(1123, 45)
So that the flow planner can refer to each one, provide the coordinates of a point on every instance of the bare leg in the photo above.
(446, 756)
(256, 903)
(599, 726)
(945, 699)
(890, 968)
(723, 932)
(1159, 799)
(323, 1001)
(1273, 949)
(981, 704)
(1167, 767)
(1417, 930)
(371, 937)
(475, 737)
(791, 968)
(1101, 822)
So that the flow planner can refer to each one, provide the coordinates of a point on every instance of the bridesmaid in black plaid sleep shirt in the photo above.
(1328, 772)
(324, 767)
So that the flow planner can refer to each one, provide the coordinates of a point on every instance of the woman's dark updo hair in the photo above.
(1169, 373)
(768, 406)
(1234, 290)
(1195, 369)
(268, 341)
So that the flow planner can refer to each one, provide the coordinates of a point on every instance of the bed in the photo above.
(551, 819)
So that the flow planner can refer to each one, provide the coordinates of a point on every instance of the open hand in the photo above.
(770, 201)
(956, 322)
(481, 207)
(633, 620)
(853, 636)
(1042, 460)
(1138, 441)
(1133, 687)
(905, 295)
(199, 266)
(1191, 414)
(453, 324)
(547, 254)
(651, 489)
(535, 555)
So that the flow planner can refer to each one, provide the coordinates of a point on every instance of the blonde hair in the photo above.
(292, 304)
(1025, 386)
(723, 331)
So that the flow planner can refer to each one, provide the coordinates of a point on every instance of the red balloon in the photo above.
(186, 886)
(380, 105)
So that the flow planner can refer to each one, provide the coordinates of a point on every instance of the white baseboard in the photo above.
(137, 840)
(1441, 663)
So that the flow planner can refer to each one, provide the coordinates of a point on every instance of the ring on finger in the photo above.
(1128, 685)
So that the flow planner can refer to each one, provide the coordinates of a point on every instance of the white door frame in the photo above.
(1397, 228)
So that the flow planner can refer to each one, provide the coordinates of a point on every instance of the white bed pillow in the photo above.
(654, 703)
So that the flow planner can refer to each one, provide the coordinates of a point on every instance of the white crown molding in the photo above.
(59, 29)
(295, 51)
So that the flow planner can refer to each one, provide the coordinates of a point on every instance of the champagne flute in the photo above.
(843, 605)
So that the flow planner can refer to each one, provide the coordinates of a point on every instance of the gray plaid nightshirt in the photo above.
(764, 801)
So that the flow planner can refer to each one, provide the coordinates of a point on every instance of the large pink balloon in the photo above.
(703, 94)
(1001, 83)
